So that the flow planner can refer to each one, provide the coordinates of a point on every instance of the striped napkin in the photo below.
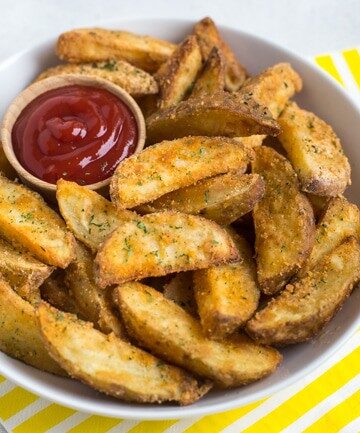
(326, 401)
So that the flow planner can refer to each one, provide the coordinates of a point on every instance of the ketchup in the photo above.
(77, 133)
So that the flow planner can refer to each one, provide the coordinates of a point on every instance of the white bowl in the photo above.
(321, 95)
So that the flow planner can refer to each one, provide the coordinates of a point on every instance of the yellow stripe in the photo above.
(152, 426)
(352, 58)
(44, 419)
(14, 401)
(338, 417)
(95, 424)
(219, 421)
(326, 62)
(310, 396)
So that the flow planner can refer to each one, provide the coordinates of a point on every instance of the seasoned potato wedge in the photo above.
(178, 73)
(88, 214)
(134, 80)
(251, 141)
(319, 203)
(95, 44)
(111, 365)
(166, 329)
(19, 331)
(303, 308)
(23, 272)
(273, 87)
(56, 293)
(283, 219)
(93, 303)
(315, 152)
(223, 199)
(209, 37)
(212, 78)
(180, 290)
(227, 295)
(220, 114)
(340, 220)
(26, 220)
(171, 165)
(159, 244)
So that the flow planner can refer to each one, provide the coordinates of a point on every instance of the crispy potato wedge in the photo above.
(180, 290)
(171, 165)
(111, 365)
(284, 222)
(166, 329)
(304, 308)
(319, 203)
(5, 167)
(220, 114)
(159, 244)
(315, 152)
(340, 220)
(212, 78)
(209, 37)
(23, 272)
(88, 214)
(93, 303)
(273, 87)
(134, 80)
(178, 73)
(26, 220)
(19, 331)
(227, 295)
(223, 199)
(96, 45)
(56, 293)
(251, 141)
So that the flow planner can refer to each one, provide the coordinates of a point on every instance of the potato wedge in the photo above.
(223, 199)
(172, 165)
(96, 45)
(23, 272)
(319, 204)
(26, 220)
(251, 141)
(19, 331)
(220, 114)
(284, 222)
(87, 214)
(134, 80)
(159, 244)
(212, 78)
(178, 73)
(315, 152)
(304, 308)
(166, 329)
(273, 87)
(209, 37)
(93, 303)
(180, 290)
(227, 295)
(147, 104)
(111, 365)
(340, 220)
(56, 293)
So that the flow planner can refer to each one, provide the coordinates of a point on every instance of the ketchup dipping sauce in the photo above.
(76, 132)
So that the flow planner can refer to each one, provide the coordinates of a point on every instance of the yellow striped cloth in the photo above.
(326, 401)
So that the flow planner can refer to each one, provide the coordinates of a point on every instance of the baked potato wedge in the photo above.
(178, 73)
(180, 290)
(171, 165)
(88, 215)
(97, 45)
(227, 295)
(166, 329)
(315, 152)
(284, 222)
(223, 199)
(160, 244)
(111, 365)
(304, 307)
(209, 37)
(19, 331)
(56, 293)
(27, 221)
(220, 114)
(133, 80)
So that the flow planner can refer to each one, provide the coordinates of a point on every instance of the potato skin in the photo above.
(307, 305)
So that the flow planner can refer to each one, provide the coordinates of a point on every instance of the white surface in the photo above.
(306, 26)
(320, 94)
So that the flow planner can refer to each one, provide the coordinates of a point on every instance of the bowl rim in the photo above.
(150, 413)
